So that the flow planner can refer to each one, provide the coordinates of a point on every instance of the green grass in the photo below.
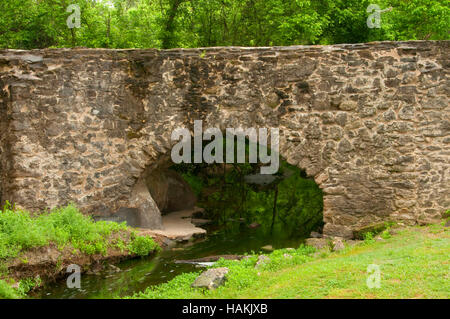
(20, 231)
(414, 264)
(65, 227)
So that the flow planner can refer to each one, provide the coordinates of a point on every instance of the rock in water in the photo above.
(260, 179)
(254, 225)
(267, 248)
(211, 279)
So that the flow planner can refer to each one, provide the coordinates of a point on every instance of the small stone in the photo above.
(262, 259)
(348, 105)
(267, 248)
(338, 244)
(211, 279)
(287, 256)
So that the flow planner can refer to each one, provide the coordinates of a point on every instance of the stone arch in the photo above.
(368, 121)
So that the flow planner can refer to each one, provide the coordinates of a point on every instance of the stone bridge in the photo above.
(369, 122)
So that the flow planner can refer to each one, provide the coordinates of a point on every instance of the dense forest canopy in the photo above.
(29, 24)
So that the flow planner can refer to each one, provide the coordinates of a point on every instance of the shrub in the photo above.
(368, 238)
(20, 231)
(8, 292)
(142, 246)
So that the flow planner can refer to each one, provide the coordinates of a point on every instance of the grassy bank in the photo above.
(68, 235)
(413, 263)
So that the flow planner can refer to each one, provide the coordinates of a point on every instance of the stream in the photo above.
(138, 274)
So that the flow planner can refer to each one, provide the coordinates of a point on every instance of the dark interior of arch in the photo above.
(236, 195)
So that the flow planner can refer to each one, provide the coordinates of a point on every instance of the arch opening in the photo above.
(237, 200)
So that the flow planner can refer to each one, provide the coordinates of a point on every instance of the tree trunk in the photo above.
(167, 38)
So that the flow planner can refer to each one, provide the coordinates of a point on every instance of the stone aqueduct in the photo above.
(369, 122)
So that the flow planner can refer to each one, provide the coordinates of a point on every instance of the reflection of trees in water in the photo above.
(286, 202)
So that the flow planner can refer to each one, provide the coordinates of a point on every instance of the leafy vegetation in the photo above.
(8, 292)
(413, 264)
(32, 24)
(20, 231)
(142, 246)
(65, 227)
(291, 204)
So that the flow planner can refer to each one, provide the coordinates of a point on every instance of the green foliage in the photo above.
(368, 238)
(32, 24)
(176, 288)
(386, 234)
(414, 265)
(447, 214)
(225, 195)
(142, 246)
(8, 292)
(20, 231)
(26, 285)
(242, 274)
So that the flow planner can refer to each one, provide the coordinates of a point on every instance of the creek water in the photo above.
(138, 274)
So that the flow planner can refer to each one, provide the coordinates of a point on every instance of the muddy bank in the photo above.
(49, 263)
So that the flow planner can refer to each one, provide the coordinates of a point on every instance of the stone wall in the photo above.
(370, 122)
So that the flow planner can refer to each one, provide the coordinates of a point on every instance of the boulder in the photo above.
(267, 248)
(149, 215)
(180, 195)
(318, 243)
(211, 279)
(333, 230)
(169, 190)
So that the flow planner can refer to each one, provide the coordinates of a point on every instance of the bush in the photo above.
(8, 292)
(20, 231)
(142, 246)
